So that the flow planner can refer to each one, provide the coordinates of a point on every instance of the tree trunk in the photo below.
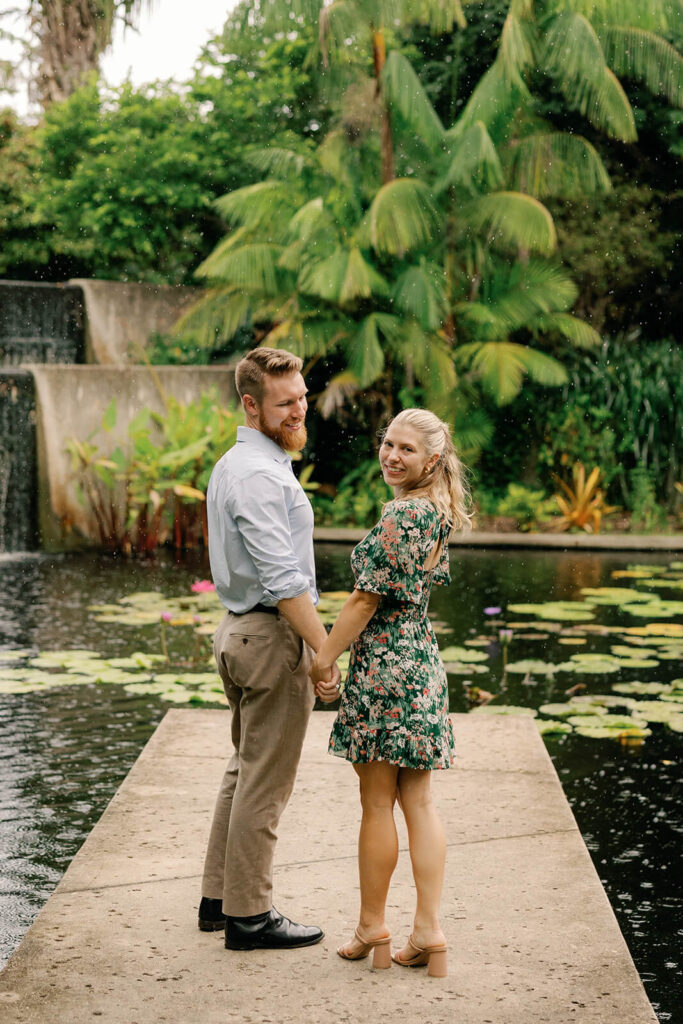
(379, 56)
(69, 44)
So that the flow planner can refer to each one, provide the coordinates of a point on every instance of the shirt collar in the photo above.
(257, 439)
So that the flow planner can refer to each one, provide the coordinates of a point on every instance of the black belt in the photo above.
(271, 609)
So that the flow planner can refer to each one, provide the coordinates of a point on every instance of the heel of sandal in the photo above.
(437, 966)
(381, 955)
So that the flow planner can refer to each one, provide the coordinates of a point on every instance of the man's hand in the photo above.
(326, 681)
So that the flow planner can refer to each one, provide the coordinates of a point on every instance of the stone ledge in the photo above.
(563, 541)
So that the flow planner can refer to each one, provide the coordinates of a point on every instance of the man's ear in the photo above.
(250, 405)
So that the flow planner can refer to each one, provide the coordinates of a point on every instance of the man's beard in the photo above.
(290, 440)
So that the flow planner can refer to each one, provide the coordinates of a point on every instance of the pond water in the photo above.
(65, 749)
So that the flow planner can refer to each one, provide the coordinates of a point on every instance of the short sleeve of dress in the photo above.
(390, 560)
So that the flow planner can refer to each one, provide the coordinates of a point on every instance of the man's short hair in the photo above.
(250, 372)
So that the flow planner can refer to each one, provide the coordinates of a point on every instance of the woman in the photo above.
(393, 718)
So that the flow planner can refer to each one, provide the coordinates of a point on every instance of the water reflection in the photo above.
(64, 752)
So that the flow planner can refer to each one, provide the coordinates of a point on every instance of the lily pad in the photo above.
(615, 595)
(461, 668)
(642, 689)
(462, 654)
(618, 722)
(532, 666)
(658, 710)
(623, 651)
(597, 666)
(600, 733)
(16, 654)
(655, 609)
(561, 611)
(550, 726)
(558, 710)
(603, 700)
(504, 709)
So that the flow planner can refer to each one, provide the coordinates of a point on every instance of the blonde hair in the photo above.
(445, 485)
(251, 372)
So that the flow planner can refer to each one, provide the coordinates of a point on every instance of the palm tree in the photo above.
(71, 36)
(349, 26)
(447, 271)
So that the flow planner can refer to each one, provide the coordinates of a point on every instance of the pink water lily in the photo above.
(166, 616)
(202, 586)
(492, 611)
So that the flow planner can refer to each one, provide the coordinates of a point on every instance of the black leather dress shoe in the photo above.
(269, 931)
(211, 916)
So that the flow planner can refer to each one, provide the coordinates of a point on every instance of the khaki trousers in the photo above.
(264, 667)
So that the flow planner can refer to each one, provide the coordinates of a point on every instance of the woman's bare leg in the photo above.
(427, 843)
(377, 846)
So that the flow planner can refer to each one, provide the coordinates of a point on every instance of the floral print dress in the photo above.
(394, 706)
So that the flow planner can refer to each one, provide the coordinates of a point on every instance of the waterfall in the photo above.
(39, 323)
(17, 461)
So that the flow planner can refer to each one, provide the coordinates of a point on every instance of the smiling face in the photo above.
(281, 414)
(404, 459)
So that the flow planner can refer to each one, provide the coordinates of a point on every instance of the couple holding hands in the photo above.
(392, 722)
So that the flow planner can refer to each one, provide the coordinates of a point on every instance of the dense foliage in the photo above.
(450, 203)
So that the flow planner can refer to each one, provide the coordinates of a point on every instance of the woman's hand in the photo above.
(326, 680)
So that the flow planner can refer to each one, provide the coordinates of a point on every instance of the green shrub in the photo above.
(529, 507)
(152, 491)
(359, 500)
(647, 515)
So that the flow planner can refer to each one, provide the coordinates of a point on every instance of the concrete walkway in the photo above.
(563, 541)
(532, 936)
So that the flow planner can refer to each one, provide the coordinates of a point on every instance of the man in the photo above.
(261, 553)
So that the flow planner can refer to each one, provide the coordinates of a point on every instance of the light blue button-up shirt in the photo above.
(260, 526)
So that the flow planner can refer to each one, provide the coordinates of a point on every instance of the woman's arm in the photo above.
(357, 611)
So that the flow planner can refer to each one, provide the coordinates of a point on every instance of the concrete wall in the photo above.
(70, 403)
(119, 318)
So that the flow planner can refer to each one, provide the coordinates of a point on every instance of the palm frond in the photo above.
(492, 102)
(258, 205)
(442, 15)
(420, 292)
(305, 336)
(606, 105)
(474, 164)
(405, 92)
(577, 331)
(401, 218)
(365, 357)
(283, 163)
(342, 387)
(343, 277)
(515, 298)
(516, 219)
(501, 366)
(251, 267)
(472, 427)
(652, 15)
(340, 21)
(635, 53)
(434, 368)
(516, 48)
(572, 50)
(574, 57)
(556, 164)
(218, 314)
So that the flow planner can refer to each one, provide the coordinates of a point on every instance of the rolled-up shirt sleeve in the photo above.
(259, 507)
